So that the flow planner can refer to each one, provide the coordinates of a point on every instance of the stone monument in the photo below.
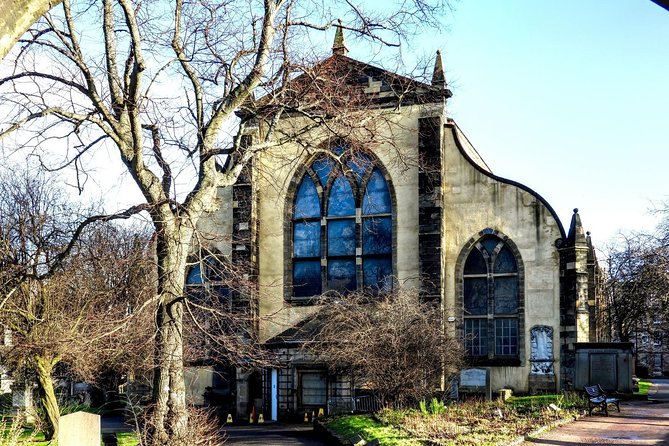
(542, 373)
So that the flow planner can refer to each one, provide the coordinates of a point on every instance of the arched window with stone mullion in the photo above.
(491, 300)
(350, 200)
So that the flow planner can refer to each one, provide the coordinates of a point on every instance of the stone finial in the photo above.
(438, 78)
(576, 233)
(339, 46)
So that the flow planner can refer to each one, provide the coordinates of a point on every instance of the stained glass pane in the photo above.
(490, 244)
(475, 263)
(377, 273)
(476, 337)
(341, 200)
(360, 164)
(505, 262)
(341, 274)
(195, 276)
(506, 336)
(214, 268)
(506, 295)
(307, 203)
(341, 237)
(306, 278)
(377, 196)
(476, 296)
(377, 235)
(307, 239)
(322, 167)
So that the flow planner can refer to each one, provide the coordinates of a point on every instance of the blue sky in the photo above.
(570, 98)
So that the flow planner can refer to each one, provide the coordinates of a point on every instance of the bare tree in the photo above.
(60, 308)
(393, 344)
(637, 285)
(162, 88)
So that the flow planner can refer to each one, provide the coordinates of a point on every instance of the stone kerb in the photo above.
(79, 429)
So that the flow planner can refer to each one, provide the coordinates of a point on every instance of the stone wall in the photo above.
(476, 202)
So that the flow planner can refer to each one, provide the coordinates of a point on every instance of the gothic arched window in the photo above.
(342, 228)
(491, 300)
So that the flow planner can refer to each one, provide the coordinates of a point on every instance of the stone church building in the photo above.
(416, 206)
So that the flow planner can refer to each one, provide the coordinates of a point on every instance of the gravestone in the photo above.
(542, 374)
(475, 381)
(79, 429)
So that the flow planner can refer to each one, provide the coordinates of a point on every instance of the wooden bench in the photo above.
(597, 398)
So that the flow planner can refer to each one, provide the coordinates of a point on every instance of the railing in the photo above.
(367, 404)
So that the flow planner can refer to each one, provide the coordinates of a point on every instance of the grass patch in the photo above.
(370, 429)
(127, 439)
(644, 387)
(475, 423)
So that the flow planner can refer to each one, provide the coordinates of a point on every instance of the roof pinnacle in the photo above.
(339, 46)
(438, 78)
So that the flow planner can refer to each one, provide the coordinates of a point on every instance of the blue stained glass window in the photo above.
(491, 288)
(341, 237)
(360, 164)
(195, 276)
(341, 274)
(476, 263)
(306, 278)
(307, 203)
(377, 196)
(377, 273)
(322, 167)
(506, 295)
(350, 248)
(341, 200)
(476, 296)
(377, 235)
(307, 239)
(505, 262)
(490, 244)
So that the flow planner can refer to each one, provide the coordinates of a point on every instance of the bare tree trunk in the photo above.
(48, 399)
(170, 417)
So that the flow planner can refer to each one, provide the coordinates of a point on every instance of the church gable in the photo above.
(413, 206)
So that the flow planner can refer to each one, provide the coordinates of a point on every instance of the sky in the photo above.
(570, 98)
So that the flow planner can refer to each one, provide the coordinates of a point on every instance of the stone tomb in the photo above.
(475, 381)
(608, 364)
(79, 429)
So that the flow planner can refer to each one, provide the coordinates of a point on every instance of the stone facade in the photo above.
(519, 314)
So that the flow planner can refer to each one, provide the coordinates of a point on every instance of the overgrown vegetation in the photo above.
(470, 423)
(393, 343)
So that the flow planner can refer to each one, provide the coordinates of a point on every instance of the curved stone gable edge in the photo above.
(452, 126)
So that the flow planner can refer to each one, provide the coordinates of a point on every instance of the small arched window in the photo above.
(342, 227)
(491, 304)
